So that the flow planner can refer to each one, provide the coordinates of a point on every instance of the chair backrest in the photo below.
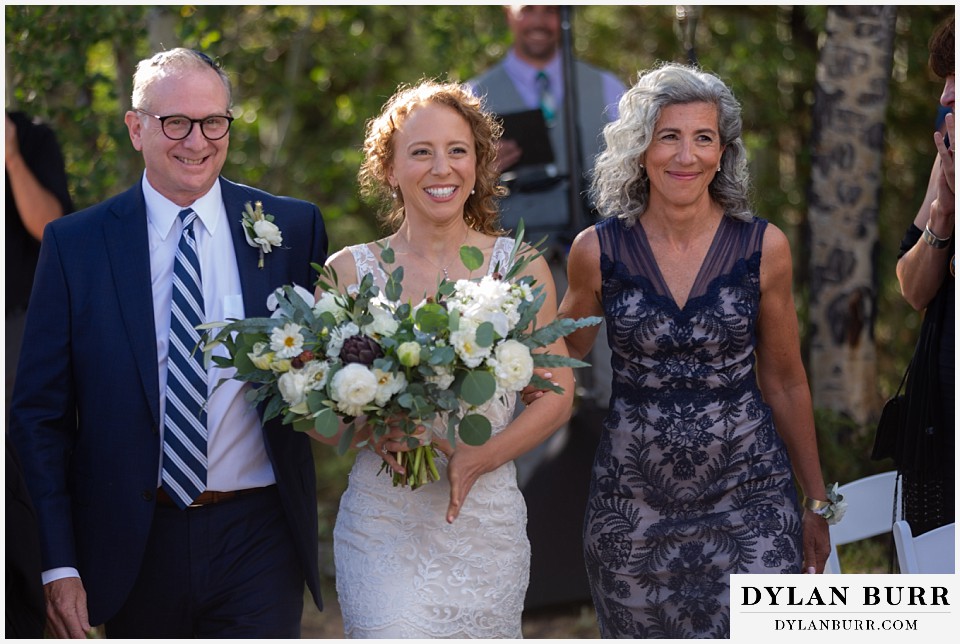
(931, 552)
(871, 510)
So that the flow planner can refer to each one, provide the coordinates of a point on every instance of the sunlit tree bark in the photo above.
(851, 95)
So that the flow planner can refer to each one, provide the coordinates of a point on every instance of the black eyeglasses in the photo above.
(178, 127)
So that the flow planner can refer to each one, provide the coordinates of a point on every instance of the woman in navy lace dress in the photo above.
(710, 414)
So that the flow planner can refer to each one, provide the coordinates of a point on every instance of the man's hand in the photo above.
(508, 153)
(67, 608)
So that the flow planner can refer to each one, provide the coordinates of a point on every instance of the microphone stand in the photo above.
(575, 219)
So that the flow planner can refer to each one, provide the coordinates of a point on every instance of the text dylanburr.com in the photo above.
(856, 608)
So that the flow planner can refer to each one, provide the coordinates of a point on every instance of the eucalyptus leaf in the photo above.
(472, 257)
(485, 334)
(302, 425)
(346, 439)
(478, 387)
(475, 429)
(432, 317)
(327, 423)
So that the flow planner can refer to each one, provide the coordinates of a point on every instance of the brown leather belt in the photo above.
(209, 497)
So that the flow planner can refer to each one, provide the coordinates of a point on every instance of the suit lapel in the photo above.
(125, 233)
(256, 283)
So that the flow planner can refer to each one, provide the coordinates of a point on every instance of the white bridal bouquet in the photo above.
(366, 358)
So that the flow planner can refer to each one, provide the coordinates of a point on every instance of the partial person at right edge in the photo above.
(926, 271)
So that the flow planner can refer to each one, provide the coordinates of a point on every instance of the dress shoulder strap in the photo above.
(500, 255)
(367, 263)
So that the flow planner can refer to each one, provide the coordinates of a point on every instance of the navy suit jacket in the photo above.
(85, 415)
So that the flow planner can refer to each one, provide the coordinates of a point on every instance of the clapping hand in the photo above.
(941, 221)
(945, 148)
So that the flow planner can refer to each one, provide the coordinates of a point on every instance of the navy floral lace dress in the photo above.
(691, 481)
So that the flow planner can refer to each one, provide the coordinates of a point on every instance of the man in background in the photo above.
(531, 78)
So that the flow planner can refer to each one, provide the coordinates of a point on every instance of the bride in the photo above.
(450, 559)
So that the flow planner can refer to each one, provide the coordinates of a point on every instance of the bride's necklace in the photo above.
(445, 268)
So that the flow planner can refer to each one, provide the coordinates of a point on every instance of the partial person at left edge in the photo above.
(37, 193)
(166, 508)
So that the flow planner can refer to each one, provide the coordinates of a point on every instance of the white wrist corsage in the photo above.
(260, 230)
(832, 510)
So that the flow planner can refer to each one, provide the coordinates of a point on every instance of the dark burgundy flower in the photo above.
(360, 348)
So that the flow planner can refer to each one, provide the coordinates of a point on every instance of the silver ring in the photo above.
(383, 449)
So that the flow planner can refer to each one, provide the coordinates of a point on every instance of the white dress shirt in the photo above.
(236, 456)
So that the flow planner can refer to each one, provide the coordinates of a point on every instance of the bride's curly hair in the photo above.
(480, 210)
(620, 185)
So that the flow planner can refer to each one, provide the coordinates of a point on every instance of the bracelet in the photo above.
(815, 505)
(933, 240)
(832, 510)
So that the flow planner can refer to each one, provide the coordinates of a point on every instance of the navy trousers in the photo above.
(218, 571)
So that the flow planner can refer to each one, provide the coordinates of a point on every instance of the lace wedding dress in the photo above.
(403, 571)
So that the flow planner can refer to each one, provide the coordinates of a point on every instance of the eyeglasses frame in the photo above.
(229, 118)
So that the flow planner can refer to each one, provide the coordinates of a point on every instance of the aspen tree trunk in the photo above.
(850, 101)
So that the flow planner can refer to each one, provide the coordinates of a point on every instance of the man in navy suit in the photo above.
(88, 408)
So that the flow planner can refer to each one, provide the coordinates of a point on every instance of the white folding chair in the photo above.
(870, 511)
(931, 552)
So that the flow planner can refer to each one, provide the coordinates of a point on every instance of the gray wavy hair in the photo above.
(620, 187)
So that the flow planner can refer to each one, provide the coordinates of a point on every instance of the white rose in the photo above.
(512, 365)
(266, 234)
(293, 390)
(388, 384)
(287, 341)
(328, 304)
(464, 341)
(384, 324)
(353, 387)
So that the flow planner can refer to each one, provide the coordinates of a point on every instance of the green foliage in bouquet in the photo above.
(363, 357)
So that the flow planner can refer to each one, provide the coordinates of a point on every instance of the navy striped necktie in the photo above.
(184, 472)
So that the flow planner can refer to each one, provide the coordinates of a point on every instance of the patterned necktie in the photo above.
(548, 105)
(185, 428)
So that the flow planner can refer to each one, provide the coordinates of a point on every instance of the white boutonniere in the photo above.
(260, 230)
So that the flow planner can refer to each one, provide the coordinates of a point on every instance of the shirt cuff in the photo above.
(58, 573)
